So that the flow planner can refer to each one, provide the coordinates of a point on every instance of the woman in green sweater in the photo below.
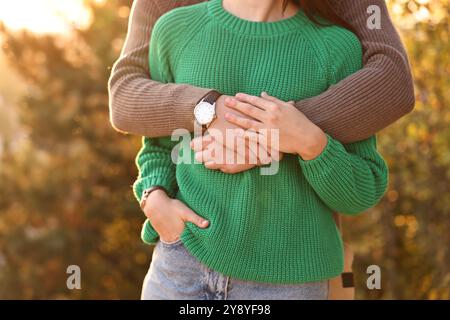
(261, 236)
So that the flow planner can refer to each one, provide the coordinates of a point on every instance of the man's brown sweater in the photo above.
(352, 110)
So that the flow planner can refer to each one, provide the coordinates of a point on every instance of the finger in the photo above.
(276, 156)
(247, 109)
(190, 216)
(228, 169)
(216, 135)
(243, 122)
(256, 101)
(200, 143)
(212, 165)
(234, 169)
(225, 152)
(259, 145)
(266, 96)
(250, 135)
(255, 151)
(253, 139)
(235, 144)
(245, 151)
(223, 141)
(204, 156)
(264, 156)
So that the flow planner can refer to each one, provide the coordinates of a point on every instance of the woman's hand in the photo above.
(168, 216)
(206, 148)
(296, 133)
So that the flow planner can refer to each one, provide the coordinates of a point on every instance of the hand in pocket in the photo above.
(168, 216)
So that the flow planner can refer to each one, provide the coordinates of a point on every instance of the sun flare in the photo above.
(43, 16)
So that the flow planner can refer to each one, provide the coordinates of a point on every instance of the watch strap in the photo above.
(211, 97)
(147, 192)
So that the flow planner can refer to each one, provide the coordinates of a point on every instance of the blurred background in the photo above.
(66, 176)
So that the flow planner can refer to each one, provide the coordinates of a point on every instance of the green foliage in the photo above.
(66, 191)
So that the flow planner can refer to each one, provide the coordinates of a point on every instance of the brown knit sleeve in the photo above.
(352, 110)
(376, 96)
(139, 105)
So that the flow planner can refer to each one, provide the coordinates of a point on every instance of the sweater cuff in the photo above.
(148, 234)
(326, 161)
(148, 182)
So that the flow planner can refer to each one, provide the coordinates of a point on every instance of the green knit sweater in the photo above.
(277, 228)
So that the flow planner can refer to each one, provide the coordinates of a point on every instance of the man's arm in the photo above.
(353, 110)
(377, 95)
(139, 105)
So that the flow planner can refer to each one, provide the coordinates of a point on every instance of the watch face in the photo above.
(204, 113)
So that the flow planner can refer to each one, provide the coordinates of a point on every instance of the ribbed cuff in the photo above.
(148, 234)
(325, 162)
(148, 182)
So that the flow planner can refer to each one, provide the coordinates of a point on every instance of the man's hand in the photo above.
(220, 124)
(206, 149)
(168, 216)
(203, 145)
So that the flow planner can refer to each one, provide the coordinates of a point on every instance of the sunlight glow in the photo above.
(44, 16)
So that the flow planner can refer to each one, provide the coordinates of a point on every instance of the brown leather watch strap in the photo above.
(147, 192)
(211, 97)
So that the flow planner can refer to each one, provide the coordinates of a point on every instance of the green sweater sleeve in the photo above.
(353, 177)
(154, 160)
(156, 168)
(348, 178)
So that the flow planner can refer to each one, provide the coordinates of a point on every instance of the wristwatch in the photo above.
(205, 110)
(147, 192)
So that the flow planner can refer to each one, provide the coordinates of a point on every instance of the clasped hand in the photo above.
(279, 125)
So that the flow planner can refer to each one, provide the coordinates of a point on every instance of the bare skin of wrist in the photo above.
(156, 199)
(168, 216)
(313, 144)
(220, 123)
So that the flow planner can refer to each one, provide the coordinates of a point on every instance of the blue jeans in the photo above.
(175, 274)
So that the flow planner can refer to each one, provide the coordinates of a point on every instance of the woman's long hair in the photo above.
(320, 8)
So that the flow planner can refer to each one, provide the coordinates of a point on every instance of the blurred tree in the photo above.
(66, 196)
(408, 234)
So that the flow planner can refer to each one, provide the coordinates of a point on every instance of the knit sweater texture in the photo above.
(266, 228)
(352, 110)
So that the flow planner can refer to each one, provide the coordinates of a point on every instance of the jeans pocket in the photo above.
(170, 244)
